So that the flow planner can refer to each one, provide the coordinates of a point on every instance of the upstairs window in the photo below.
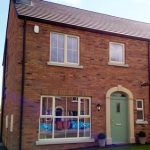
(116, 53)
(64, 49)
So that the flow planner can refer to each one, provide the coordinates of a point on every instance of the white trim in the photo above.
(141, 122)
(64, 65)
(130, 115)
(117, 62)
(64, 141)
(140, 109)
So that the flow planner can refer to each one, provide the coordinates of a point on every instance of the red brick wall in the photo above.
(13, 79)
(94, 80)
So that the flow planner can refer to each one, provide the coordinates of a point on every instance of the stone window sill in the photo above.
(118, 64)
(141, 122)
(64, 141)
(64, 65)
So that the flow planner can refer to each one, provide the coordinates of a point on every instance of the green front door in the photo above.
(119, 118)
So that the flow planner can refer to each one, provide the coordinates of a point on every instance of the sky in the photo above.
(131, 9)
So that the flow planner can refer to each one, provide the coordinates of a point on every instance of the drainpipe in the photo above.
(3, 89)
(149, 73)
(22, 85)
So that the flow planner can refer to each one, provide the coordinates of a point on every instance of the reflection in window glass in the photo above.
(72, 49)
(140, 114)
(57, 47)
(116, 52)
(47, 106)
(84, 107)
(66, 120)
(84, 127)
(46, 126)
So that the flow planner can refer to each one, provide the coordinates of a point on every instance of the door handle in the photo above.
(118, 124)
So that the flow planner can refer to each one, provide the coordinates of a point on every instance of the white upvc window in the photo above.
(64, 118)
(64, 49)
(116, 53)
(140, 110)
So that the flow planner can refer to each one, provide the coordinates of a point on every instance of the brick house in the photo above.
(70, 74)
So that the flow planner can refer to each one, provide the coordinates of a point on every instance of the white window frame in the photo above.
(140, 109)
(65, 50)
(117, 62)
(64, 140)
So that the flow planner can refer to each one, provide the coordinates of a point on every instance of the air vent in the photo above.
(28, 2)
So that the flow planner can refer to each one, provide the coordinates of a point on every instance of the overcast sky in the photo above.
(132, 9)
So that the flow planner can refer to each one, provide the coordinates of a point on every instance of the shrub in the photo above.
(141, 134)
(101, 136)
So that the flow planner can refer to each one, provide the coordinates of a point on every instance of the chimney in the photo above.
(27, 2)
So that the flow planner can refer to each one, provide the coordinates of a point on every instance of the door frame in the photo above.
(120, 88)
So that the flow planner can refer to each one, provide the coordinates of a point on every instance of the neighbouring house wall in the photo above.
(13, 79)
(94, 80)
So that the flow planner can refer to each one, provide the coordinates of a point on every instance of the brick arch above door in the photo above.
(120, 88)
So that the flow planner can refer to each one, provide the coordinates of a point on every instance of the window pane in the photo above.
(46, 128)
(54, 54)
(72, 106)
(60, 106)
(69, 43)
(69, 56)
(72, 49)
(139, 104)
(53, 40)
(66, 128)
(60, 55)
(61, 41)
(75, 43)
(57, 47)
(140, 115)
(84, 104)
(75, 57)
(46, 106)
(116, 52)
(84, 127)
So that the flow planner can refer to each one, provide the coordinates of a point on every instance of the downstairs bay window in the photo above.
(65, 119)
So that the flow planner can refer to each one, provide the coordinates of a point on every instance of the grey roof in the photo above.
(58, 13)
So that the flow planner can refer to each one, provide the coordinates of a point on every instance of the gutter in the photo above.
(22, 85)
(81, 28)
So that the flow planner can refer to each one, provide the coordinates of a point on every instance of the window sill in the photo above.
(64, 65)
(118, 65)
(64, 141)
(141, 122)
